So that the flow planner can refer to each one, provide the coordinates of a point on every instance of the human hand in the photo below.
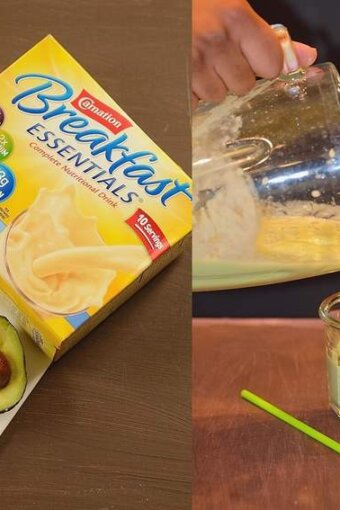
(232, 45)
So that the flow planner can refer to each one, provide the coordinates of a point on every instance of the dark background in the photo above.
(315, 22)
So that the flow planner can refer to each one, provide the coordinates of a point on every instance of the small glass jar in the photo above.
(329, 312)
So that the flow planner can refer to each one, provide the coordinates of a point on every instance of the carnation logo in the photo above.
(102, 113)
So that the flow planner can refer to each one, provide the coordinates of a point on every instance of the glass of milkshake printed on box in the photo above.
(330, 313)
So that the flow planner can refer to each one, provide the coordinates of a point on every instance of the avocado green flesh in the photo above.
(11, 348)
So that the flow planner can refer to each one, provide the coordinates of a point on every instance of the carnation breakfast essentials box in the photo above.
(90, 207)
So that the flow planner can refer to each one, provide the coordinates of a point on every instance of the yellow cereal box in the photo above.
(90, 207)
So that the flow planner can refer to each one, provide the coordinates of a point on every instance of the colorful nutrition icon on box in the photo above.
(6, 145)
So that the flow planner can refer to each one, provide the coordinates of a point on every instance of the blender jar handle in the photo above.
(290, 61)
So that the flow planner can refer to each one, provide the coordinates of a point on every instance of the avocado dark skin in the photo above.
(13, 377)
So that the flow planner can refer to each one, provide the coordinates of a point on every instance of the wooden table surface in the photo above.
(245, 459)
(109, 426)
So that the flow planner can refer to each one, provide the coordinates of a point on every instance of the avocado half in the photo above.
(12, 365)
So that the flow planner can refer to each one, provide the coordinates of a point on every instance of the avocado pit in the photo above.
(5, 371)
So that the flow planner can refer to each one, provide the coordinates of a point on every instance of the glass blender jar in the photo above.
(267, 181)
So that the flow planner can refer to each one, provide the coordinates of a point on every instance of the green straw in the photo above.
(293, 422)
